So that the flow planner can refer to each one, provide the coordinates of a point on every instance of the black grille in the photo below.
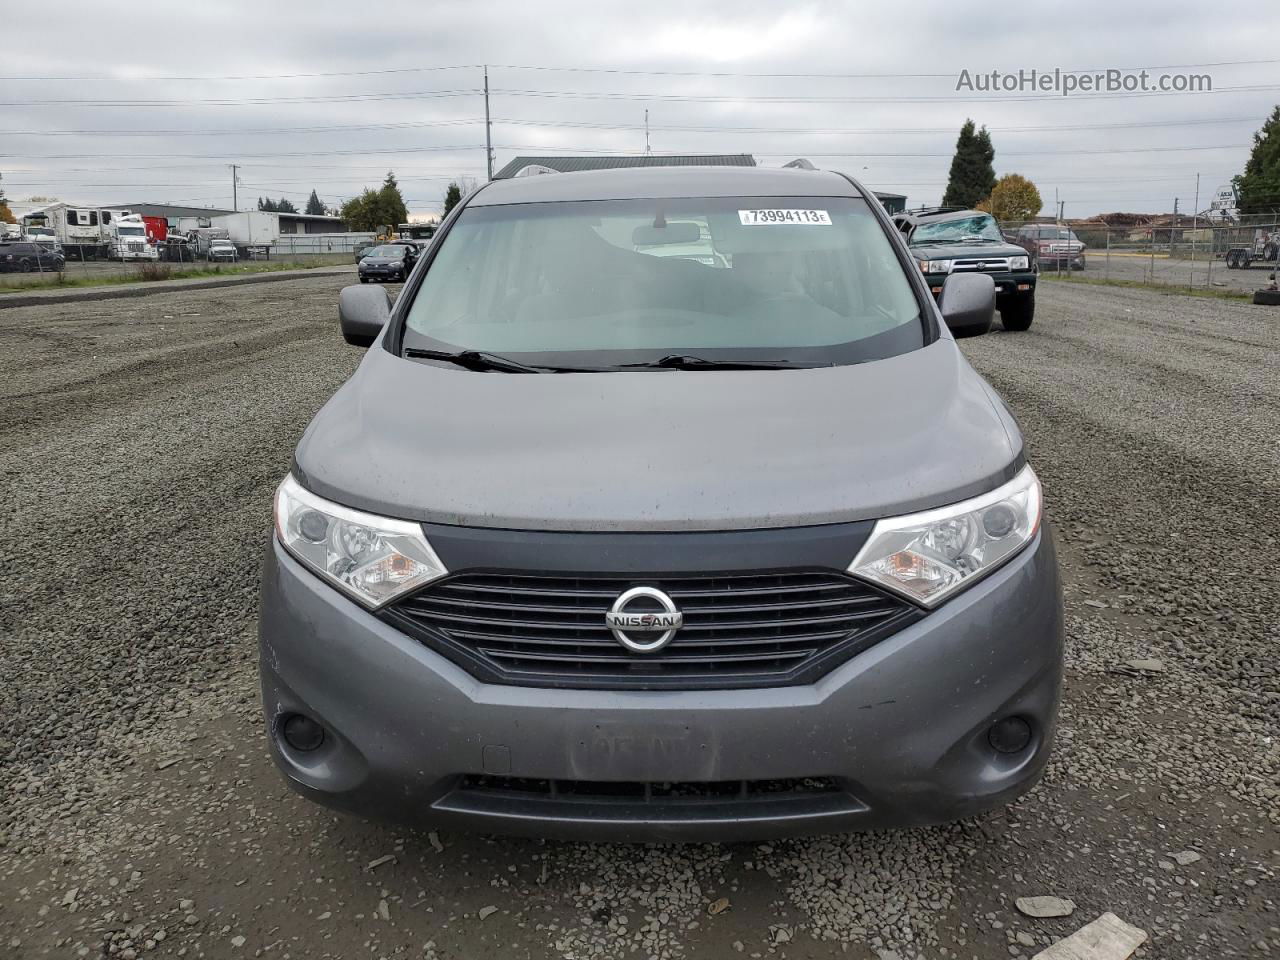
(757, 629)
(656, 792)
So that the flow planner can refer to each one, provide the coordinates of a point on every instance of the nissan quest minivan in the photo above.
(663, 505)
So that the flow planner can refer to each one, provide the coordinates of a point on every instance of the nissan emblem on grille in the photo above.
(643, 620)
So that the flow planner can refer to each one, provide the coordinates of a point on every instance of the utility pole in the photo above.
(1058, 205)
(488, 142)
(647, 150)
(235, 204)
(1195, 229)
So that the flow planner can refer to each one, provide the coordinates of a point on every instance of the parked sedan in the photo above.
(391, 261)
(28, 257)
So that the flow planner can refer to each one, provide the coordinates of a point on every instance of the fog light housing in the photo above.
(301, 733)
(1010, 735)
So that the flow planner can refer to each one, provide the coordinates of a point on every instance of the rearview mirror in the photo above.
(363, 312)
(677, 231)
(968, 303)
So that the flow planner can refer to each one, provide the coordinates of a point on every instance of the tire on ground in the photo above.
(1267, 298)
(1016, 313)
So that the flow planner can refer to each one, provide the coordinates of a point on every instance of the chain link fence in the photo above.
(39, 264)
(1239, 256)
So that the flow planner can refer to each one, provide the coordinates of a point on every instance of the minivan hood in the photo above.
(671, 450)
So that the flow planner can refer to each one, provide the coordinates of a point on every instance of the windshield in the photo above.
(982, 226)
(811, 280)
(130, 231)
(394, 253)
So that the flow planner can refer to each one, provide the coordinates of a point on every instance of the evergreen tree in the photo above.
(1259, 186)
(393, 211)
(972, 175)
(452, 197)
(314, 207)
(285, 206)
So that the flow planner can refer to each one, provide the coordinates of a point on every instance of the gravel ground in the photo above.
(1173, 272)
(139, 444)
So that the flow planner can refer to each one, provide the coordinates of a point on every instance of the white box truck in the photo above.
(256, 228)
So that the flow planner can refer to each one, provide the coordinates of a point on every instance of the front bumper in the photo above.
(382, 273)
(901, 728)
(1020, 284)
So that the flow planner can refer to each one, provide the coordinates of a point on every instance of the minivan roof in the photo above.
(642, 183)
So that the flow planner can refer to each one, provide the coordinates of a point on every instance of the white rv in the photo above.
(83, 232)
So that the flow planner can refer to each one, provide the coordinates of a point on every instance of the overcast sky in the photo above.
(890, 118)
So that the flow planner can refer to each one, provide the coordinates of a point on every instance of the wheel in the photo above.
(1017, 314)
(1232, 261)
(1267, 298)
(364, 279)
(1269, 252)
(25, 266)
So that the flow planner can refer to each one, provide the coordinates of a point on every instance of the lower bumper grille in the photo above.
(754, 629)
(587, 791)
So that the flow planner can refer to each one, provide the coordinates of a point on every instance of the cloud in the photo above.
(409, 75)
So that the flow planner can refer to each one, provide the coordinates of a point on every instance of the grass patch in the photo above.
(1168, 289)
(148, 272)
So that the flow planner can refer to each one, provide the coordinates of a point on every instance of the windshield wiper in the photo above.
(479, 360)
(680, 361)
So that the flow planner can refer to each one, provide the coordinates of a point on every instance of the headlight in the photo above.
(935, 266)
(929, 556)
(372, 559)
(1019, 263)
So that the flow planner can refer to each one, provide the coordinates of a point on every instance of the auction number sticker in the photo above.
(803, 218)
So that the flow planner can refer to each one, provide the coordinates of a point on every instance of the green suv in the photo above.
(944, 241)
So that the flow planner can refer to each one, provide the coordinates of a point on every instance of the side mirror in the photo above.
(363, 312)
(968, 303)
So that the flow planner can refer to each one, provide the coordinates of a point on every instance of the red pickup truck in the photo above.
(1051, 244)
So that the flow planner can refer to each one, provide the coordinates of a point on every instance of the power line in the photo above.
(250, 101)
(543, 148)
(745, 98)
(233, 156)
(252, 131)
(590, 125)
(618, 71)
(591, 95)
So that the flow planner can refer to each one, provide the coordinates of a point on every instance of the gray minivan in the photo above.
(608, 543)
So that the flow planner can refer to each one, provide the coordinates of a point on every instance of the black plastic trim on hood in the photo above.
(832, 545)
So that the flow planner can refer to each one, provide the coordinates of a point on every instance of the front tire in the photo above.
(364, 279)
(1017, 314)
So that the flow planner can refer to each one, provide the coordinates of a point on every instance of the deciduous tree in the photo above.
(1014, 198)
